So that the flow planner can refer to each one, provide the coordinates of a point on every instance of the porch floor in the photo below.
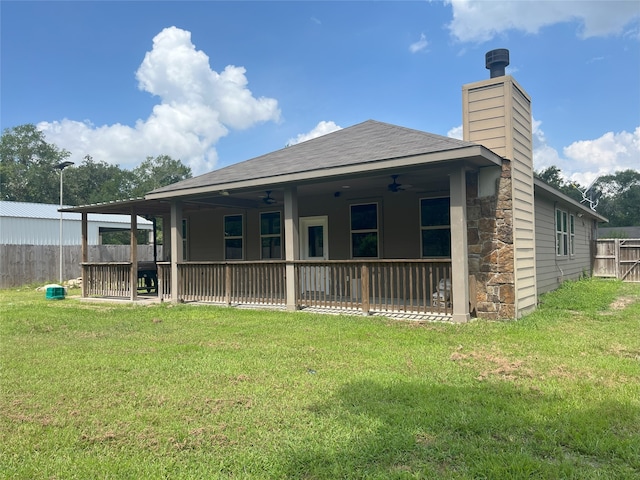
(153, 299)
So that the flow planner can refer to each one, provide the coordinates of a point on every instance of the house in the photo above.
(375, 218)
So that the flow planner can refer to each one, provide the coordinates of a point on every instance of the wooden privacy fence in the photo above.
(412, 286)
(25, 264)
(618, 258)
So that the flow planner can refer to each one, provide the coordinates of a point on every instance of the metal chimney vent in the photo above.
(496, 61)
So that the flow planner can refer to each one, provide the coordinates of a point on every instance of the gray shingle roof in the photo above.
(363, 143)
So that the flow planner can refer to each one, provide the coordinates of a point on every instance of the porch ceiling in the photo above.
(420, 181)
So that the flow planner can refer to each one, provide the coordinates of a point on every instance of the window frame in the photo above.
(233, 237)
(270, 235)
(376, 230)
(561, 220)
(572, 235)
(185, 243)
(443, 227)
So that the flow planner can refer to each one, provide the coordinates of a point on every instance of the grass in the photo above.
(117, 391)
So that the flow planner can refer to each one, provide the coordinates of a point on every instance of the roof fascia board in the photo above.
(462, 154)
(559, 195)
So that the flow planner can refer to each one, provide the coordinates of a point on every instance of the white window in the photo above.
(572, 234)
(185, 250)
(364, 230)
(270, 235)
(435, 227)
(233, 237)
(562, 233)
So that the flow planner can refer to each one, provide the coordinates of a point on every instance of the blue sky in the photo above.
(214, 83)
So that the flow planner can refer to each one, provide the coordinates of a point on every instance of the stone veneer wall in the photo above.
(490, 239)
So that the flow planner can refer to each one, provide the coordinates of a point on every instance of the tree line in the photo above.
(28, 174)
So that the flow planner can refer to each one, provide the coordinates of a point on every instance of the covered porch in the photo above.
(371, 218)
(293, 260)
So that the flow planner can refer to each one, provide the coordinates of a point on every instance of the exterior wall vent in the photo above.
(496, 61)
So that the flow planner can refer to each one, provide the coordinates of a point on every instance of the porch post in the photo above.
(134, 254)
(84, 253)
(166, 238)
(459, 250)
(176, 247)
(291, 244)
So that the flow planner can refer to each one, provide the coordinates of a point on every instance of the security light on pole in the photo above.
(61, 166)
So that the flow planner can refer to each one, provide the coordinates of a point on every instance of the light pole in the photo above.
(61, 166)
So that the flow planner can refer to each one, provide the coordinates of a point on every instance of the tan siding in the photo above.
(485, 104)
(487, 92)
(489, 133)
(523, 201)
(480, 115)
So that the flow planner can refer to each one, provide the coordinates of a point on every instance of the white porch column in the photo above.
(133, 254)
(291, 244)
(459, 250)
(176, 247)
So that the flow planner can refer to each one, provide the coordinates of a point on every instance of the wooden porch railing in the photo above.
(411, 286)
(226, 282)
(164, 280)
(107, 279)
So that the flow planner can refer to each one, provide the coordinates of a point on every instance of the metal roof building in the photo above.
(39, 224)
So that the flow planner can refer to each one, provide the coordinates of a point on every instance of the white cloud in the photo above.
(480, 21)
(456, 132)
(605, 155)
(419, 45)
(585, 160)
(322, 128)
(197, 107)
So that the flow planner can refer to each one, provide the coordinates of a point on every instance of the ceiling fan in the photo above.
(268, 199)
(396, 187)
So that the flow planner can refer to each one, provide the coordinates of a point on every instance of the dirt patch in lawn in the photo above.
(492, 364)
(621, 303)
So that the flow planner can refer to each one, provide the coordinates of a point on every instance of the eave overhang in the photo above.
(473, 156)
(552, 192)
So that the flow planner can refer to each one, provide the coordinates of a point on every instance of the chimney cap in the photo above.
(496, 61)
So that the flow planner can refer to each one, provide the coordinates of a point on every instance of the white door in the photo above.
(314, 245)
(314, 238)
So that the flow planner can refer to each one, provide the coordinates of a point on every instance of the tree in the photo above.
(620, 198)
(552, 176)
(158, 172)
(27, 172)
(97, 181)
(27, 161)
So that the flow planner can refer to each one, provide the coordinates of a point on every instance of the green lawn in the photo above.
(94, 390)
